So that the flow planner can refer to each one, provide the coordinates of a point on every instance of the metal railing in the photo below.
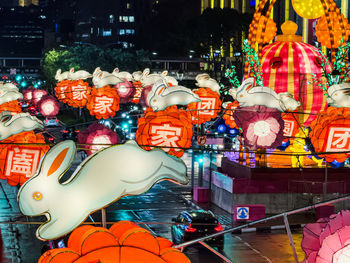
(282, 215)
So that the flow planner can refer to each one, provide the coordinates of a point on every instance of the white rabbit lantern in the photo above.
(339, 95)
(100, 180)
(248, 95)
(163, 96)
(20, 122)
(9, 92)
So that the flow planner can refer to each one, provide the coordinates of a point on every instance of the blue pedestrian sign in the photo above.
(242, 213)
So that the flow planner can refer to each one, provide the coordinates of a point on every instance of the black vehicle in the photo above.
(196, 224)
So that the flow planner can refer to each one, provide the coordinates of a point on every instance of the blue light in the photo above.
(18, 78)
(233, 131)
(336, 164)
(222, 128)
(200, 160)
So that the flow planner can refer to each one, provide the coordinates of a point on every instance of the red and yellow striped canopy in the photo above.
(287, 67)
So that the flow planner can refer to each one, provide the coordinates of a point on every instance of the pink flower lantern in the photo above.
(262, 126)
(48, 106)
(38, 94)
(125, 91)
(97, 137)
(28, 94)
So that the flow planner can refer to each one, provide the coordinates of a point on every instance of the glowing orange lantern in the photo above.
(291, 125)
(330, 133)
(79, 93)
(103, 102)
(124, 242)
(310, 9)
(265, 31)
(12, 106)
(62, 90)
(169, 128)
(207, 108)
(324, 35)
(19, 162)
(228, 115)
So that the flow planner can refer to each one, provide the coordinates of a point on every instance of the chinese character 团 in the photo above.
(206, 106)
(79, 92)
(62, 93)
(22, 161)
(103, 104)
(165, 135)
(288, 128)
(338, 139)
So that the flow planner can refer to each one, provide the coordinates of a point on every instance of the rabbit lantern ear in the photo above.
(164, 73)
(71, 70)
(248, 83)
(58, 71)
(58, 159)
(146, 72)
(116, 70)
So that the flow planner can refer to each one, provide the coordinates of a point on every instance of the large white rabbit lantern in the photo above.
(100, 180)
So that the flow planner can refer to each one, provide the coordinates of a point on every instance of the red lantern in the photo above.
(97, 137)
(79, 93)
(138, 92)
(28, 94)
(17, 162)
(228, 115)
(143, 100)
(330, 134)
(207, 108)
(103, 102)
(48, 106)
(291, 125)
(62, 89)
(169, 128)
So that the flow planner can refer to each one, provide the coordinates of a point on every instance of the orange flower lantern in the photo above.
(330, 134)
(62, 90)
(169, 128)
(265, 30)
(124, 242)
(19, 162)
(291, 125)
(324, 35)
(138, 91)
(228, 115)
(103, 102)
(79, 93)
(12, 106)
(207, 108)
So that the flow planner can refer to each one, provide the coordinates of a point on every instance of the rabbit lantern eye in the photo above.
(37, 196)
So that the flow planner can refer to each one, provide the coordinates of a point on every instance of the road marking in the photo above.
(256, 251)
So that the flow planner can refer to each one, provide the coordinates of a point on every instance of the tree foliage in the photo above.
(88, 57)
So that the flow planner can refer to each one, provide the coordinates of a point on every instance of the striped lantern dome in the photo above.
(287, 65)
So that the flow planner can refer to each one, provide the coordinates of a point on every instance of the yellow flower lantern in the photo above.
(310, 9)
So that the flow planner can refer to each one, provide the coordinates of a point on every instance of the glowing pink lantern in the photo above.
(38, 94)
(28, 94)
(48, 106)
(97, 137)
(125, 91)
(143, 99)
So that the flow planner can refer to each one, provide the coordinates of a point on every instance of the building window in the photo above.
(111, 19)
(130, 31)
(122, 32)
(106, 33)
(128, 5)
(131, 19)
(91, 30)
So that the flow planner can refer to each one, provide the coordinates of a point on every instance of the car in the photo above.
(195, 224)
(51, 122)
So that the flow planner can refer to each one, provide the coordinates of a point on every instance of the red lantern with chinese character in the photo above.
(291, 125)
(19, 162)
(228, 115)
(138, 91)
(207, 108)
(103, 102)
(169, 128)
(62, 90)
(330, 134)
(79, 93)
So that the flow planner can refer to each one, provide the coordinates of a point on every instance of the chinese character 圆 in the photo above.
(103, 104)
(338, 139)
(207, 106)
(288, 128)
(79, 92)
(165, 135)
(22, 161)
